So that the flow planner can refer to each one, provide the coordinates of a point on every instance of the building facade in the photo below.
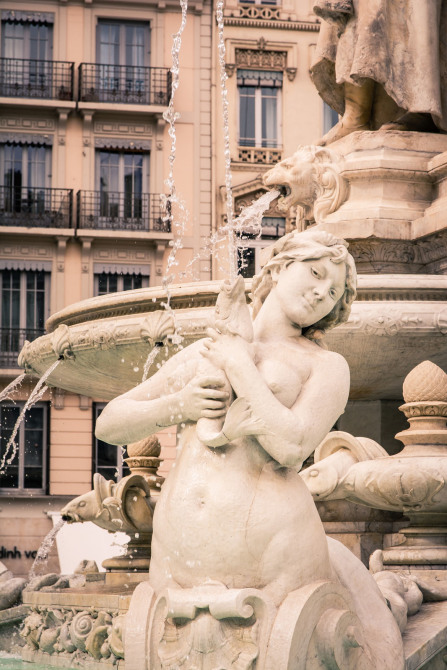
(84, 155)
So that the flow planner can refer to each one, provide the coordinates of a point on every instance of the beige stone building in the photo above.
(84, 154)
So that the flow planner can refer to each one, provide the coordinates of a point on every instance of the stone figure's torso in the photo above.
(238, 504)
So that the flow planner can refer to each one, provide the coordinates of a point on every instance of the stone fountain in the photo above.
(241, 574)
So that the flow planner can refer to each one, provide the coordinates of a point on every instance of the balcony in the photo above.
(36, 207)
(43, 79)
(124, 84)
(121, 211)
(12, 341)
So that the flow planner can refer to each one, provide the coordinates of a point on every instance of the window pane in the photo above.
(269, 117)
(13, 40)
(8, 417)
(246, 262)
(35, 300)
(10, 299)
(108, 457)
(247, 116)
(132, 281)
(34, 448)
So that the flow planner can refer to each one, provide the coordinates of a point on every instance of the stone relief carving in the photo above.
(75, 634)
(157, 327)
(311, 181)
(261, 58)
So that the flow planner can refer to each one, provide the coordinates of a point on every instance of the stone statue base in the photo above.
(211, 626)
(394, 214)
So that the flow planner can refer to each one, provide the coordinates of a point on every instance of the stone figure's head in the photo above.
(309, 180)
(310, 245)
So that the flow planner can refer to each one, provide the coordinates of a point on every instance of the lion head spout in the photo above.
(311, 181)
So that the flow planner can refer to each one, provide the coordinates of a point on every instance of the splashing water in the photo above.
(16, 382)
(149, 360)
(172, 202)
(44, 549)
(37, 393)
(228, 228)
(249, 220)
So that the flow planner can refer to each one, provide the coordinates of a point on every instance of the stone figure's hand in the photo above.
(204, 397)
(220, 348)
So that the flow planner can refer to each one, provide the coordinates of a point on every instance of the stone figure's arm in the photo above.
(173, 395)
(291, 435)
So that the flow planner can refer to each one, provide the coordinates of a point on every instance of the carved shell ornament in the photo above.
(157, 327)
(61, 342)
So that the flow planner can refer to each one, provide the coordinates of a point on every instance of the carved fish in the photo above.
(232, 316)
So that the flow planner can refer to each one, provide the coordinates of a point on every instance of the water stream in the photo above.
(176, 214)
(36, 394)
(45, 548)
(230, 233)
(10, 388)
(149, 361)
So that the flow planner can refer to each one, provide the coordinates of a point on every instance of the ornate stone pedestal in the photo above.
(213, 627)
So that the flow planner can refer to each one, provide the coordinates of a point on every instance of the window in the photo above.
(24, 310)
(111, 282)
(25, 171)
(26, 45)
(330, 118)
(120, 177)
(123, 52)
(28, 469)
(249, 246)
(259, 108)
(108, 459)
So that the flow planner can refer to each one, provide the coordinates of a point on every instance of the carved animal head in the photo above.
(311, 180)
(82, 508)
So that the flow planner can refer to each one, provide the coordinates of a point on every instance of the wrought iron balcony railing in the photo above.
(36, 207)
(48, 79)
(12, 341)
(121, 211)
(124, 84)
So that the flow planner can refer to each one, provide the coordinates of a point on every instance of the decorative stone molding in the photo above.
(291, 73)
(305, 26)
(72, 633)
(31, 124)
(156, 328)
(265, 12)
(26, 138)
(107, 128)
(261, 58)
(122, 143)
(27, 16)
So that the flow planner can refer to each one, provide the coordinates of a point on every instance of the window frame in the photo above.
(23, 299)
(120, 466)
(120, 281)
(259, 143)
(45, 450)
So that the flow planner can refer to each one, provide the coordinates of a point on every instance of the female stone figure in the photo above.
(240, 515)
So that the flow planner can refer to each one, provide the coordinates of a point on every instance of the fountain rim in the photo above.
(204, 293)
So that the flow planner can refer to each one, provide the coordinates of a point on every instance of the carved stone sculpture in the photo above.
(412, 481)
(311, 181)
(242, 574)
(124, 506)
(359, 71)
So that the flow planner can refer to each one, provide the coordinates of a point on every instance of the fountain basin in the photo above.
(103, 343)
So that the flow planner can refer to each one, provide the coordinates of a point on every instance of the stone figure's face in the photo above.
(308, 290)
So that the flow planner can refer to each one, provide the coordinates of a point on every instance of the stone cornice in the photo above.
(307, 26)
